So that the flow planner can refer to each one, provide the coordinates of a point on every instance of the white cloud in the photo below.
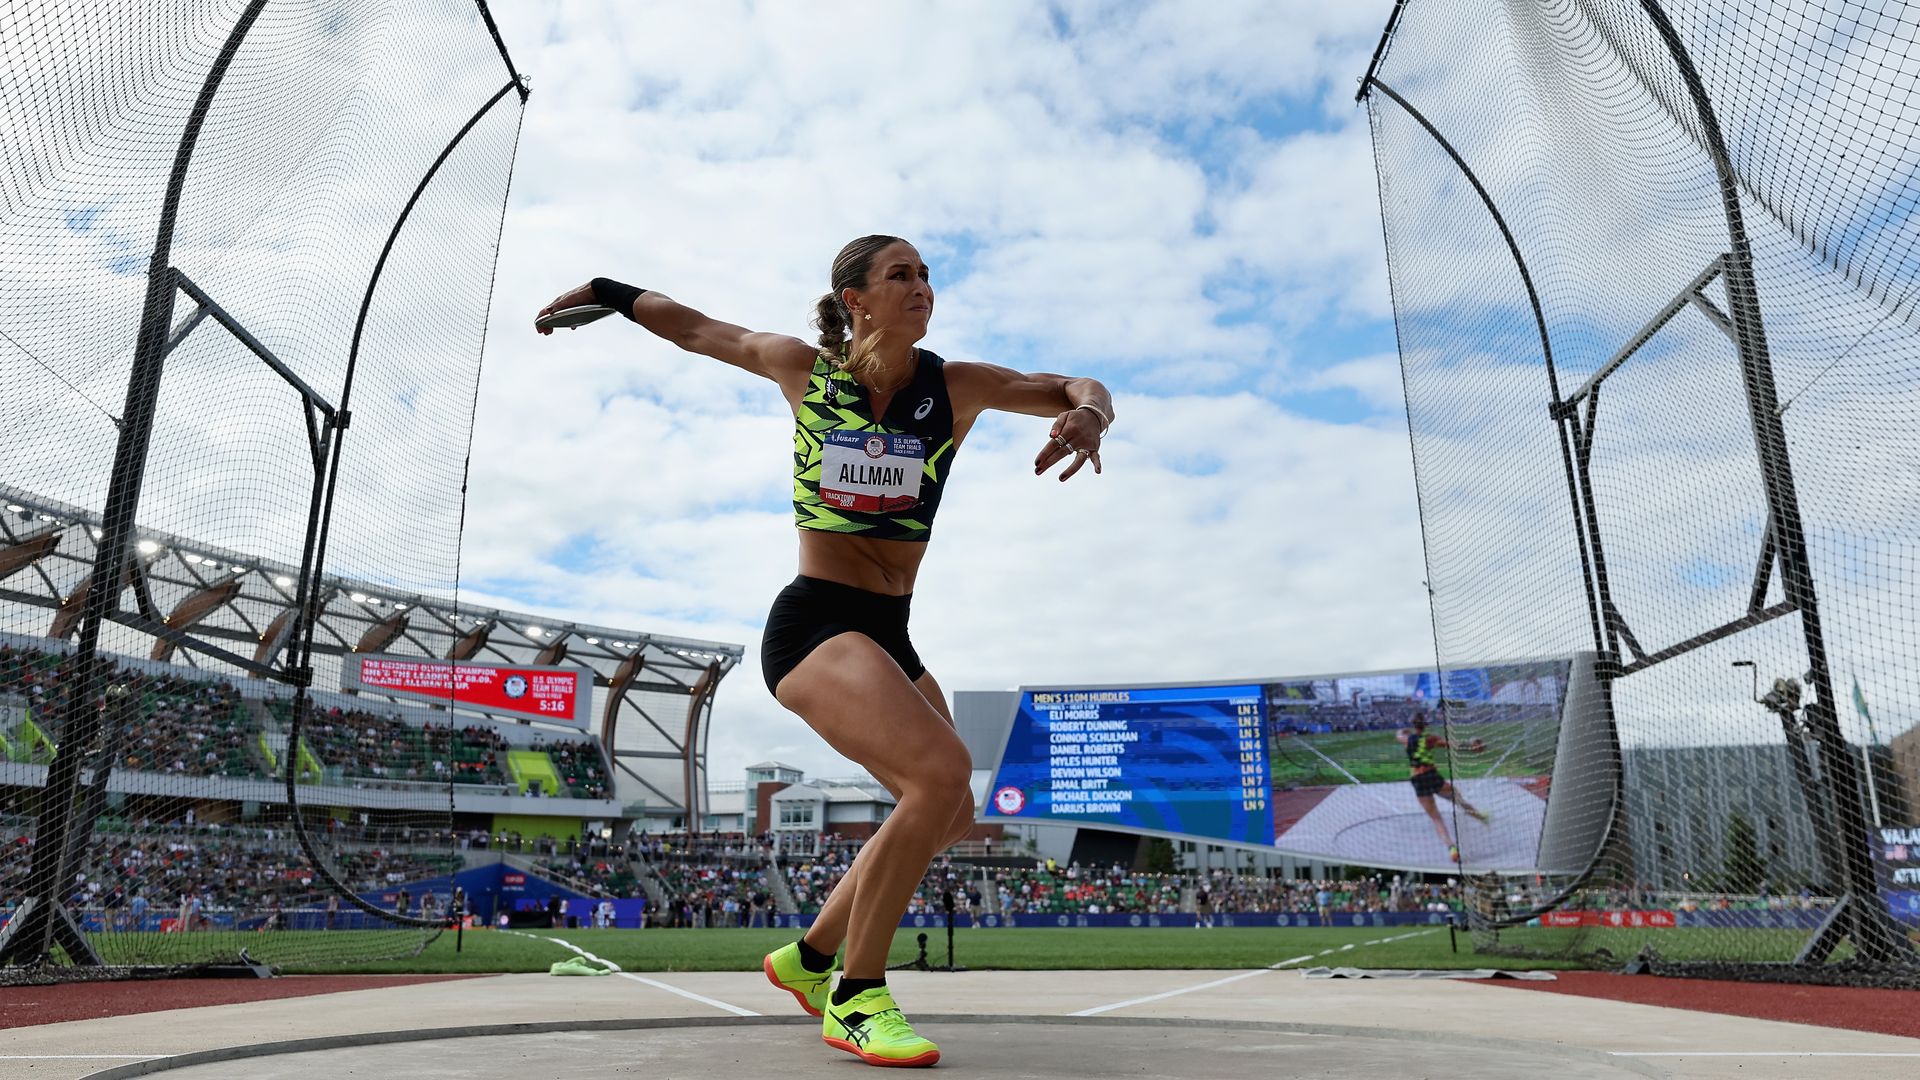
(1110, 217)
(1106, 189)
(1376, 379)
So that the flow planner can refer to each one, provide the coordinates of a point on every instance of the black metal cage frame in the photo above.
(1831, 781)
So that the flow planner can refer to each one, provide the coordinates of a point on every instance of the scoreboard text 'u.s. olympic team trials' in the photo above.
(1189, 760)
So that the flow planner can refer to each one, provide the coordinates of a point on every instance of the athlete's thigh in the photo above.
(855, 695)
(936, 697)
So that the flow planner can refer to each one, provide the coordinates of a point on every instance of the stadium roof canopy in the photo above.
(231, 614)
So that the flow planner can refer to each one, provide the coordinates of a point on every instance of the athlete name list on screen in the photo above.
(1085, 751)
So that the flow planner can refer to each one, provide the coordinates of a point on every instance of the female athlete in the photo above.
(877, 421)
(1427, 781)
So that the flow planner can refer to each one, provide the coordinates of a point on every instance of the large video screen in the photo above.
(1319, 768)
(1343, 776)
(1188, 760)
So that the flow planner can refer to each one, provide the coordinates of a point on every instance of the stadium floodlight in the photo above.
(16, 508)
(359, 598)
(97, 534)
(148, 547)
(533, 631)
(283, 581)
(398, 606)
(593, 641)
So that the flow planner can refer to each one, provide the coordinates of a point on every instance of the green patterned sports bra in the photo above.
(879, 477)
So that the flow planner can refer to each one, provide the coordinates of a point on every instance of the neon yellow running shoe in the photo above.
(810, 988)
(870, 1027)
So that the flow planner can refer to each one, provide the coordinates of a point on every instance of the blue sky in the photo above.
(1176, 200)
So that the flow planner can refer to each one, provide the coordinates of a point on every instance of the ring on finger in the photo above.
(1059, 440)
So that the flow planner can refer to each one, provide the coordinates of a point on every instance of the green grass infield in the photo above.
(486, 951)
(1330, 759)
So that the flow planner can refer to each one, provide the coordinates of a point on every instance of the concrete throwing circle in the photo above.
(1027, 1047)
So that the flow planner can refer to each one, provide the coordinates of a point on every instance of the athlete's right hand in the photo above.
(571, 298)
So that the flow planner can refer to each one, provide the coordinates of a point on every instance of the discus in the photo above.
(568, 318)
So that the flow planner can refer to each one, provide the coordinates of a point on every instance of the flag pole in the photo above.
(1866, 750)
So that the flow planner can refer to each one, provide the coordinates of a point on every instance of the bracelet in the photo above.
(1105, 420)
(615, 294)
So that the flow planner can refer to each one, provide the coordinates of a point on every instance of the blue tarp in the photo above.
(490, 889)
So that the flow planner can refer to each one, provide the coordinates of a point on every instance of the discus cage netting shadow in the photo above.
(246, 258)
(1654, 277)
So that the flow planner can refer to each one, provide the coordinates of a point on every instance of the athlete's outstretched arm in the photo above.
(1082, 409)
(785, 360)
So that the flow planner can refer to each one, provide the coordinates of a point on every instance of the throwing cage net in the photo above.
(1654, 276)
(246, 258)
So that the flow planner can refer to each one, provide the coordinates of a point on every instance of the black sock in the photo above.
(814, 960)
(849, 987)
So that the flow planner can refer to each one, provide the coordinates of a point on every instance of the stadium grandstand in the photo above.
(409, 791)
(652, 695)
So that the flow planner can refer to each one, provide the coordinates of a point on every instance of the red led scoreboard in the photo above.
(553, 695)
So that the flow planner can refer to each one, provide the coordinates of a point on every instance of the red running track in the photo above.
(1889, 1012)
(25, 1006)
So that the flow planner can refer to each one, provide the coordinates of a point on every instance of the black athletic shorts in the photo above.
(1428, 783)
(809, 611)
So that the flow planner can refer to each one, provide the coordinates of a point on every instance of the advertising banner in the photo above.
(553, 695)
(1033, 920)
(1896, 864)
(1613, 919)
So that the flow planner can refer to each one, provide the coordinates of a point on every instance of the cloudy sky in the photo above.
(1176, 199)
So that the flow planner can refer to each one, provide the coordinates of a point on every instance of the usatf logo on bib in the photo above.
(871, 472)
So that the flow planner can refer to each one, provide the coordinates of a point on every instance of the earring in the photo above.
(869, 316)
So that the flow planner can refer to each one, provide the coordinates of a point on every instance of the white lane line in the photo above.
(655, 983)
(701, 998)
(1346, 947)
(1098, 1009)
(1766, 1053)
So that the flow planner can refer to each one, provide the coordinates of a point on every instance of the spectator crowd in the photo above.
(713, 880)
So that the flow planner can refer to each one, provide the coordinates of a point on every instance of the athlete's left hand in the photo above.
(1075, 434)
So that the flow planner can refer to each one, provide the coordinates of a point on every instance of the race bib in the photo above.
(871, 471)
